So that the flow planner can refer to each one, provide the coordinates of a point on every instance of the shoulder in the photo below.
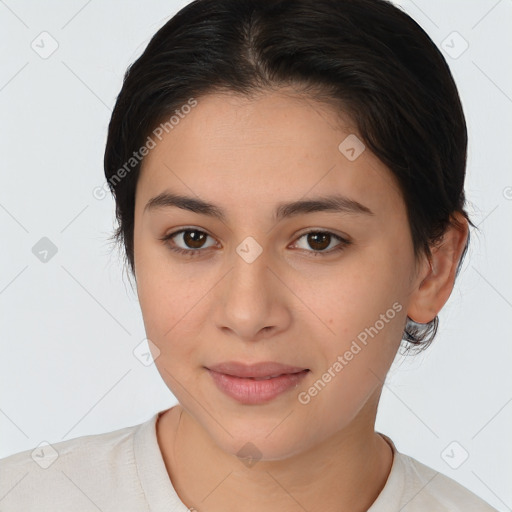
(69, 473)
(427, 489)
(78, 450)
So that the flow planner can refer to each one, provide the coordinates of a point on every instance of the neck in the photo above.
(344, 472)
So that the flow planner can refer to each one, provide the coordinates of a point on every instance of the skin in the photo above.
(290, 306)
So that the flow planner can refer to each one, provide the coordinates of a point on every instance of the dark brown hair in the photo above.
(366, 56)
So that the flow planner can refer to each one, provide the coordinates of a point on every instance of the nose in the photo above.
(252, 302)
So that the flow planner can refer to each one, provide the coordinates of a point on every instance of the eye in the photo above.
(320, 241)
(192, 240)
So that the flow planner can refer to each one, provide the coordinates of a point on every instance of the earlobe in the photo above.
(434, 283)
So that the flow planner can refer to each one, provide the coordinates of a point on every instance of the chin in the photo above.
(267, 440)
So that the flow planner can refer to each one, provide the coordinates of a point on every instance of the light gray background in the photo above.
(68, 326)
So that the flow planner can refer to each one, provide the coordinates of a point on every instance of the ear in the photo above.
(435, 280)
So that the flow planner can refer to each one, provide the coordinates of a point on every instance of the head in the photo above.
(315, 151)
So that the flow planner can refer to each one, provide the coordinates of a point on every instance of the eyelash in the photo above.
(195, 252)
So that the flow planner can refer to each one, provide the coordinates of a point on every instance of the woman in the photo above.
(289, 185)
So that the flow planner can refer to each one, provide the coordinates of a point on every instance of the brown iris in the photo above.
(319, 241)
(194, 239)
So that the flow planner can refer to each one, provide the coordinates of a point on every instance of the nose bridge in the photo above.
(249, 279)
(249, 301)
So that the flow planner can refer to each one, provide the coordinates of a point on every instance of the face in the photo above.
(320, 288)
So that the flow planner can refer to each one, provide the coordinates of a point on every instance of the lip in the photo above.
(261, 369)
(237, 380)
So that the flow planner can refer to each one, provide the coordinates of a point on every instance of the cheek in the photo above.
(363, 306)
(167, 308)
(357, 293)
(161, 291)
(354, 361)
(166, 299)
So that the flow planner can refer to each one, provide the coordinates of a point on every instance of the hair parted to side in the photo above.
(366, 58)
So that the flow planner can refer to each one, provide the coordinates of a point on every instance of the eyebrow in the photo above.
(330, 203)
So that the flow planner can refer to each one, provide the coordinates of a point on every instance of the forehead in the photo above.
(272, 147)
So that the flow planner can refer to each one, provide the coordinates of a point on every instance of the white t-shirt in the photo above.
(124, 471)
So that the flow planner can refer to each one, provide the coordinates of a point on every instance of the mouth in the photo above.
(256, 384)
